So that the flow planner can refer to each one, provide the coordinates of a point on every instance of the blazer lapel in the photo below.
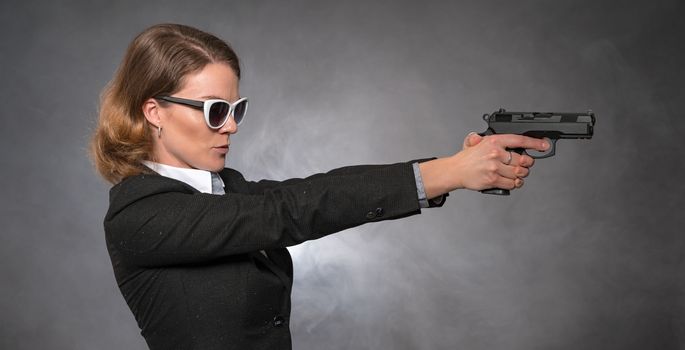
(232, 182)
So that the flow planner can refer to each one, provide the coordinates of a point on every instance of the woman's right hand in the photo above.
(484, 162)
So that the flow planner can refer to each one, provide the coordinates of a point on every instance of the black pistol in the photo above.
(552, 126)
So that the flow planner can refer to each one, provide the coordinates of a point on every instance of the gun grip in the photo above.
(497, 191)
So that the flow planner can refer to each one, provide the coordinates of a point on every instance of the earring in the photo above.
(159, 132)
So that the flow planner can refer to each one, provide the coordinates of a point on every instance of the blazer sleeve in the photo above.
(157, 221)
(235, 180)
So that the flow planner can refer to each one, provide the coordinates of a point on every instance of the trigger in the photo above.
(543, 154)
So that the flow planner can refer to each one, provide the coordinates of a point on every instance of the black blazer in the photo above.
(189, 264)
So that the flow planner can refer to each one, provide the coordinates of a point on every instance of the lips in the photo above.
(223, 149)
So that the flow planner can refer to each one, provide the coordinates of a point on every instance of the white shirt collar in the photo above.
(201, 180)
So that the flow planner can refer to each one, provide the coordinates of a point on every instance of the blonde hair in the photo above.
(155, 63)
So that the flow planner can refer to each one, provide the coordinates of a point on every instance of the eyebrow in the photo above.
(217, 98)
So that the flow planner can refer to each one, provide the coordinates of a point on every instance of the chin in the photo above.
(217, 167)
(210, 166)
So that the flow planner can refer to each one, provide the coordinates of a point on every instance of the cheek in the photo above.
(190, 125)
(187, 134)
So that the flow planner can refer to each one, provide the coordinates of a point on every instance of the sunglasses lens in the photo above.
(239, 111)
(218, 113)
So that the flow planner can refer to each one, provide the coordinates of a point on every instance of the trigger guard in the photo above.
(543, 154)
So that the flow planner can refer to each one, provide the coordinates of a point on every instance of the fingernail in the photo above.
(544, 145)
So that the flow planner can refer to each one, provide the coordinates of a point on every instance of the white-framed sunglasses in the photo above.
(216, 111)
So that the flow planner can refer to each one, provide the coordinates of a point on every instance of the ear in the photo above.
(152, 112)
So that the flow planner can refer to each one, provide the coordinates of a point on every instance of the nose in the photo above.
(230, 127)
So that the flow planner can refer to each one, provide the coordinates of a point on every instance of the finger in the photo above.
(518, 183)
(508, 157)
(508, 171)
(520, 141)
(524, 160)
(516, 169)
(472, 139)
(505, 183)
(521, 172)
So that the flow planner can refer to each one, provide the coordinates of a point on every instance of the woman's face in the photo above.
(186, 141)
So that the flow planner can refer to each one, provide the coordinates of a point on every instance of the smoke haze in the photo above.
(588, 255)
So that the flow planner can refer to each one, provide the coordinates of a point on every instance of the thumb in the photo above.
(472, 139)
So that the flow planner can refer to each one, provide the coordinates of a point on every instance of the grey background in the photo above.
(588, 255)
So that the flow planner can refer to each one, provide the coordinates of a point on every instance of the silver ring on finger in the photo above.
(509, 160)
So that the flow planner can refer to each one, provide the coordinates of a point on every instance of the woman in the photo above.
(199, 252)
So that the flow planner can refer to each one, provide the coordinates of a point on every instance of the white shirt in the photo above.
(201, 180)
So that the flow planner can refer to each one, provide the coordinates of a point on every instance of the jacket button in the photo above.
(379, 212)
(278, 321)
(371, 215)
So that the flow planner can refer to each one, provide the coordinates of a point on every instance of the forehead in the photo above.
(215, 80)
